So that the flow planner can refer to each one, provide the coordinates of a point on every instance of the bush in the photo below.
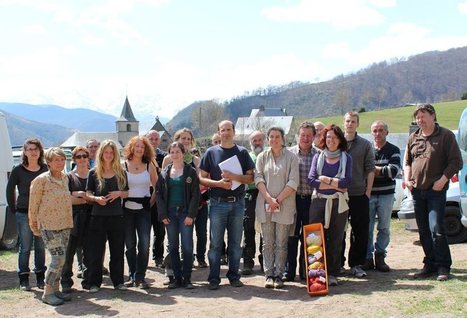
(464, 96)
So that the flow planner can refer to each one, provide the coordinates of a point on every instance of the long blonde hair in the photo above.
(116, 166)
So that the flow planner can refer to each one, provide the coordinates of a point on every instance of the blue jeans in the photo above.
(201, 224)
(137, 223)
(176, 229)
(222, 216)
(26, 239)
(381, 207)
(429, 206)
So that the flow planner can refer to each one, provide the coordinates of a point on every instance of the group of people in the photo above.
(332, 176)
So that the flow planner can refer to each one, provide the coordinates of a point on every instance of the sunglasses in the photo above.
(81, 157)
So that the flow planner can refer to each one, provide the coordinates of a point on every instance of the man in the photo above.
(92, 145)
(257, 146)
(305, 152)
(388, 165)
(319, 126)
(432, 157)
(226, 204)
(157, 226)
(363, 166)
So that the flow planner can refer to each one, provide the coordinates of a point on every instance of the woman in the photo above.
(185, 137)
(20, 180)
(142, 174)
(330, 174)
(106, 186)
(50, 216)
(177, 202)
(77, 179)
(277, 179)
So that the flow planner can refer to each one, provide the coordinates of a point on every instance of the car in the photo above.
(456, 232)
(8, 232)
(462, 141)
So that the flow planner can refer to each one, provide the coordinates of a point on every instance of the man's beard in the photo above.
(257, 150)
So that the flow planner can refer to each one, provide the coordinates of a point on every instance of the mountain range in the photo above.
(428, 77)
(53, 124)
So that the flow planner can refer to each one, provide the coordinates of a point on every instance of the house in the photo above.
(262, 119)
(166, 138)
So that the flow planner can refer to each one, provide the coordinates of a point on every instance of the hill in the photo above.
(429, 77)
(399, 118)
(21, 129)
(75, 118)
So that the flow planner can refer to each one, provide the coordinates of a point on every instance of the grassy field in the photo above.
(399, 119)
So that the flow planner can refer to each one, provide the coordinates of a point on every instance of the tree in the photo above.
(464, 96)
(205, 118)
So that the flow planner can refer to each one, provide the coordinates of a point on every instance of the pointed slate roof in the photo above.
(127, 113)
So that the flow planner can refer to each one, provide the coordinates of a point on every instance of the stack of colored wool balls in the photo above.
(315, 258)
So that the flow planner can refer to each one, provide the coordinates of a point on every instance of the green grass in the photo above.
(398, 119)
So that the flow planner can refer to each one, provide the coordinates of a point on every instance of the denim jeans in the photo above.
(301, 218)
(137, 232)
(429, 206)
(159, 235)
(381, 207)
(201, 225)
(176, 229)
(26, 239)
(222, 216)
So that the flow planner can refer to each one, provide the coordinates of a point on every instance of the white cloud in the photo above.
(340, 14)
(462, 7)
(400, 40)
(34, 29)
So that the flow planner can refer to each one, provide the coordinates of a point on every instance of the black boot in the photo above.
(369, 264)
(24, 281)
(380, 264)
(40, 280)
(176, 283)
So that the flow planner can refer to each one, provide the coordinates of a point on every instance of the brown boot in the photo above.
(380, 265)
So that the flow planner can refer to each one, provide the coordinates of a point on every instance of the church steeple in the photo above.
(127, 112)
(127, 125)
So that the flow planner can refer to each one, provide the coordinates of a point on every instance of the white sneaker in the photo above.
(332, 280)
(358, 272)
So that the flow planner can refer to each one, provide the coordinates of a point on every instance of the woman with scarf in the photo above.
(330, 174)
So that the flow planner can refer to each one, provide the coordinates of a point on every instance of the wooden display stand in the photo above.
(316, 228)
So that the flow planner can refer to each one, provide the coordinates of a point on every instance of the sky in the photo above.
(166, 54)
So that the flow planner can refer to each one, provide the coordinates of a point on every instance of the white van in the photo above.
(462, 141)
(8, 232)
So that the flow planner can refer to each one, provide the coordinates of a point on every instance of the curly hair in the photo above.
(338, 132)
(129, 149)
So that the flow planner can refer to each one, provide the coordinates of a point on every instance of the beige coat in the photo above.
(276, 175)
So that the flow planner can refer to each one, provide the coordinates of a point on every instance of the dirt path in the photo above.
(379, 295)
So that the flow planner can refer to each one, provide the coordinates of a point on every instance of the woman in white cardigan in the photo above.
(276, 178)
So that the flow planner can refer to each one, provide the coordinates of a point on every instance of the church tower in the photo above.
(127, 125)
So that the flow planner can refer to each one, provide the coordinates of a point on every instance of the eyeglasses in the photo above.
(81, 157)
(32, 149)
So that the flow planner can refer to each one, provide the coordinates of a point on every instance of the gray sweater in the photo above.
(363, 162)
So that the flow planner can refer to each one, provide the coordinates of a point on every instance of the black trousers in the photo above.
(359, 214)
(249, 247)
(100, 229)
(301, 218)
(159, 235)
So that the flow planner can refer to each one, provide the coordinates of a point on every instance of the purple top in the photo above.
(329, 170)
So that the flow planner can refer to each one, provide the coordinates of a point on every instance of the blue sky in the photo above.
(165, 54)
